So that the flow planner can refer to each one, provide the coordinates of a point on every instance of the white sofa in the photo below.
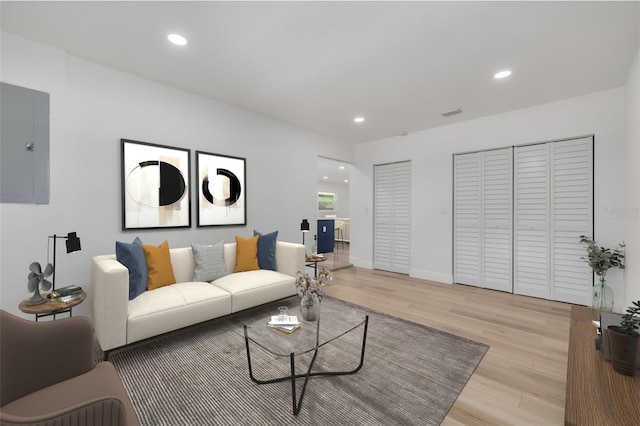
(119, 321)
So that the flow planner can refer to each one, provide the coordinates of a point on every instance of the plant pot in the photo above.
(310, 312)
(603, 296)
(623, 348)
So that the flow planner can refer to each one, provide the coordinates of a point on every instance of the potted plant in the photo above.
(311, 290)
(623, 341)
(601, 259)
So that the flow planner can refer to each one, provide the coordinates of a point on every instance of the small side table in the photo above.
(313, 262)
(51, 307)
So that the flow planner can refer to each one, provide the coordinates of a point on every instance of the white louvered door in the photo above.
(392, 217)
(572, 207)
(531, 221)
(466, 227)
(383, 212)
(482, 219)
(553, 207)
(401, 248)
(518, 216)
(497, 219)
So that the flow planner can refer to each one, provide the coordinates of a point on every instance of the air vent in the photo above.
(451, 112)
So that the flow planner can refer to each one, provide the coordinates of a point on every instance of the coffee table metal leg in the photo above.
(294, 376)
(297, 402)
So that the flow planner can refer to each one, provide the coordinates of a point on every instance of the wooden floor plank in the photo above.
(522, 378)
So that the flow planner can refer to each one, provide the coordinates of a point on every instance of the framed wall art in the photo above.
(222, 194)
(326, 201)
(155, 186)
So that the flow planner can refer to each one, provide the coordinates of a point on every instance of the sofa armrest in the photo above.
(110, 296)
(289, 258)
(34, 355)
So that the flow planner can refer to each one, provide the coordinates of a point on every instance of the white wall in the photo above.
(631, 183)
(431, 152)
(92, 108)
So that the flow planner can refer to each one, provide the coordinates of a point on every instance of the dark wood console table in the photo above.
(596, 395)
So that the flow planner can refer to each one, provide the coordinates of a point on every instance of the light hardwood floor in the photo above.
(521, 379)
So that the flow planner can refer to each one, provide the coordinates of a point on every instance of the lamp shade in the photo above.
(304, 226)
(73, 242)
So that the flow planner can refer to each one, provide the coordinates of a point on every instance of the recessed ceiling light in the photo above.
(346, 180)
(325, 177)
(359, 119)
(450, 112)
(502, 74)
(177, 39)
(341, 167)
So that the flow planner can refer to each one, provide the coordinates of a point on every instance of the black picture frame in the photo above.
(155, 186)
(221, 184)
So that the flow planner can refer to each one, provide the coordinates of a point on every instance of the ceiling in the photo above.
(333, 171)
(317, 65)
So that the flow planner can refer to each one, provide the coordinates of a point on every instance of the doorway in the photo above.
(333, 211)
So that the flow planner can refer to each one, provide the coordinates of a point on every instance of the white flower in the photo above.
(311, 289)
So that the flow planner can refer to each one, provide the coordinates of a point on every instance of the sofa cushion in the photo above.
(252, 288)
(246, 254)
(160, 271)
(209, 261)
(132, 256)
(172, 307)
(267, 249)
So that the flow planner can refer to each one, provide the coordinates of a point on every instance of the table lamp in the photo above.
(73, 244)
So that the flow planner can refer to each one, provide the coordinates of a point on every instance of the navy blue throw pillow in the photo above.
(267, 250)
(132, 256)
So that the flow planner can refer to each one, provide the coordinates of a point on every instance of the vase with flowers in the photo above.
(311, 290)
(602, 259)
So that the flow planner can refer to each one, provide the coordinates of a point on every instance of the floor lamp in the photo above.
(73, 244)
(304, 227)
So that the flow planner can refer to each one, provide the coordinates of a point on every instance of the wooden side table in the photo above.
(313, 262)
(51, 307)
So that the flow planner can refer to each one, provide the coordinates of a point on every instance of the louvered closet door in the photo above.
(383, 212)
(572, 207)
(466, 196)
(483, 219)
(497, 219)
(553, 207)
(401, 260)
(392, 233)
(531, 221)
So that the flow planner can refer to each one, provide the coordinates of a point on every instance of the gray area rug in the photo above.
(412, 375)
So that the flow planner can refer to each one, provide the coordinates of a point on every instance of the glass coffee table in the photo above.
(334, 322)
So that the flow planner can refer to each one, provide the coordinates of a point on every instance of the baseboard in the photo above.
(431, 276)
(359, 263)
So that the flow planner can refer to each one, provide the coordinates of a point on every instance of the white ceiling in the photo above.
(333, 171)
(316, 65)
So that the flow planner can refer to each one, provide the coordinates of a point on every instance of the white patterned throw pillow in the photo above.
(209, 261)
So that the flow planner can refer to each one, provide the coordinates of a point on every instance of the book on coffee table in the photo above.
(285, 328)
(284, 320)
(288, 324)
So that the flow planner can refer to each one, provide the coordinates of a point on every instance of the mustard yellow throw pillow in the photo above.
(246, 254)
(160, 271)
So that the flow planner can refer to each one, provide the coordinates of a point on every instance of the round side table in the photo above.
(313, 261)
(51, 307)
